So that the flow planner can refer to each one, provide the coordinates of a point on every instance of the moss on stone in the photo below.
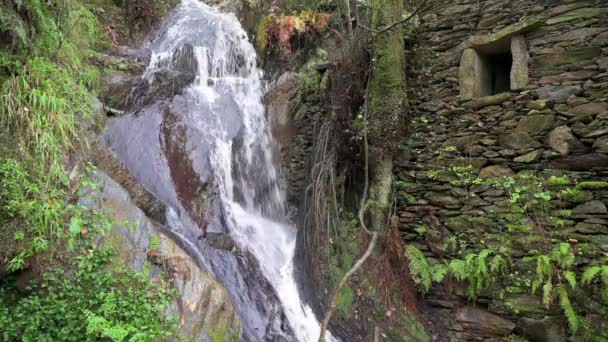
(580, 13)
(549, 61)
(592, 185)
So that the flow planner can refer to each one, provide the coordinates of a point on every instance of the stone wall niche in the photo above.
(495, 67)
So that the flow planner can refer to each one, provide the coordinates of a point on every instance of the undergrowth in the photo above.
(280, 29)
(46, 87)
(90, 304)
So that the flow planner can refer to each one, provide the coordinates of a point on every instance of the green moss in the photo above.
(580, 13)
(593, 185)
(344, 303)
(261, 38)
(387, 92)
(220, 333)
(549, 61)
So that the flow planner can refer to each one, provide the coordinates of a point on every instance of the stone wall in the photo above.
(454, 162)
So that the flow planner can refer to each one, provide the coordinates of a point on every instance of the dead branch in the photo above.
(395, 24)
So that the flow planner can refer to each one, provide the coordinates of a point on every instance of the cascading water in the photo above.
(198, 139)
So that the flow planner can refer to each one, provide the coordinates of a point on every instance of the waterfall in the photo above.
(210, 136)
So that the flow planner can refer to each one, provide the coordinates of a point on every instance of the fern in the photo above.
(570, 278)
(601, 273)
(547, 294)
(476, 271)
(566, 305)
(563, 256)
(438, 272)
(420, 270)
(552, 271)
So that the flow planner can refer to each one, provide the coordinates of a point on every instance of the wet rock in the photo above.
(167, 81)
(518, 141)
(462, 142)
(483, 322)
(458, 224)
(597, 133)
(442, 200)
(542, 330)
(558, 93)
(535, 123)
(583, 162)
(488, 101)
(561, 140)
(496, 171)
(529, 157)
(282, 103)
(115, 90)
(591, 207)
(580, 13)
(219, 241)
(203, 305)
(588, 228)
(594, 108)
(601, 145)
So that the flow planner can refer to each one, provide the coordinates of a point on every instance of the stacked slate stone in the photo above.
(557, 125)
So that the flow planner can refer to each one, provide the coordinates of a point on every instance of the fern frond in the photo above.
(566, 305)
(543, 267)
(590, 274)
(571, 278)
(535, 285)
(563, 255)
(547, 294)
(420, 270)
(498, 264)
(438, 272)
(458, 269)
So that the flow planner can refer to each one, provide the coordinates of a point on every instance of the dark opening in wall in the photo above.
(496, 70)
(495, 67)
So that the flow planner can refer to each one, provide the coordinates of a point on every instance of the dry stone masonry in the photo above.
(541, 118)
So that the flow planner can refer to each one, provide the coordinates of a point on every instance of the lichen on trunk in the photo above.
(387, 104)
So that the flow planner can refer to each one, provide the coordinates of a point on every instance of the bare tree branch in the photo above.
(334, 301)
(395, 24)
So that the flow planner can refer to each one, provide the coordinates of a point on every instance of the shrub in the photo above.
(275, 28)
(89, 304)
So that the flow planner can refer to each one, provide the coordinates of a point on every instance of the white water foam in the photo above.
(250, 189)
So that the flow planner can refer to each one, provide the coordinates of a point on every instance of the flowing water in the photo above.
(198, 139)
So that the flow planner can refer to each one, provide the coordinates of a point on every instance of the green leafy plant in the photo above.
(597, 274)
(420, 271)
(553, 275)
(89, 304)
(277, 28)
(478, 270)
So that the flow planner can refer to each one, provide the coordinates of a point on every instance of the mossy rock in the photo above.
(549, 61)
(580, 13)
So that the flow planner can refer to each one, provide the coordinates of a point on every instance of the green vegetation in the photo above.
(89, 304)
(46, 87)
(278, 28)
(552, 273)
(345, 249)
(599, 273)
(531, 218)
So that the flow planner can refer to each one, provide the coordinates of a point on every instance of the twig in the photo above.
(355, 268)
(395, 24)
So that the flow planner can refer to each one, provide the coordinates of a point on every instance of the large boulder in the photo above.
(203, 308)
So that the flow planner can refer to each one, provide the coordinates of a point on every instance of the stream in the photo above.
(197, 137)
